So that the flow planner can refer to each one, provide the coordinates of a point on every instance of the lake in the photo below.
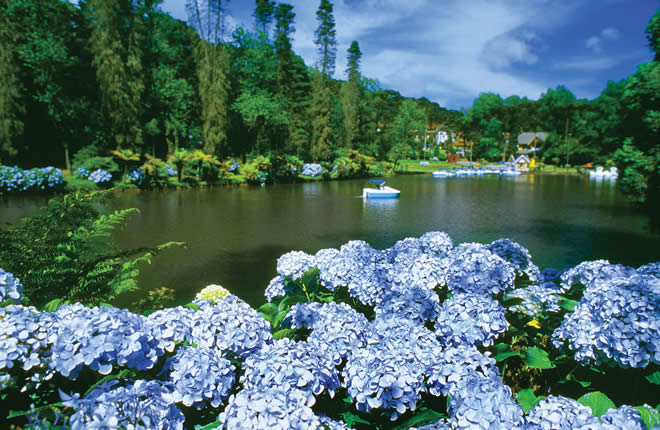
(235, 234)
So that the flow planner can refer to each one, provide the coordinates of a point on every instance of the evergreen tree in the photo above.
(263, 15)
(212, 67)
(351, 99)
(10, 88)
(116, 43)
(325, 38)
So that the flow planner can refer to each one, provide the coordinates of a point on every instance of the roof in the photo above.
(526, 138)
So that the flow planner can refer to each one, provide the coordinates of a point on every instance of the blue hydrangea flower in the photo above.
(23, 336)
(137, 405)
(171, 326)
(442, 424)
(581, 274)
(550, 275)
(475, 270)
(537, 299)
(291, 366)
(170, 170)
(625, 417)
(312, 169)
(376, 377)
(615, 321)
(275, 288)
(10, 287)
(483, 401)
(436, 244)
(81, 172)
(651, 269)
(135, 176)
(516, 255)
(199, 376)
(234, 168)
(230, 325)
(336, 327)
(558, 413)
(407, 265)
(415, 303)
(99, 176)
(98, 338)
(453, 364)
(268, 408)
(356, 266)
(470, 320)
(406, 338)
(294, 264)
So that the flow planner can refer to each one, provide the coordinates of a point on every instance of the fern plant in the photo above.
(65, 251)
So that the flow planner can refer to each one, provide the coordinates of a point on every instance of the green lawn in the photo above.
(413, 166)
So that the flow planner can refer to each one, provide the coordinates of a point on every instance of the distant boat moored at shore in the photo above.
(600, 173)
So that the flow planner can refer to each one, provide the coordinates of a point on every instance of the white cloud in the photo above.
(595, 43)
(586, 64)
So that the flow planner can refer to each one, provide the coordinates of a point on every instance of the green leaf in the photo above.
(191, 306)
(566, 303)
(213, 425)
(598, 402)
(123, 374)
(537, 358)
(351, 419)
(504, 355)
(422, 416)
(501, 347)
(267, 308)
(310, 276)
(584, 384)
(280, 334)
(279, 317)
(527, 399)
(654, 378)
(650, 417)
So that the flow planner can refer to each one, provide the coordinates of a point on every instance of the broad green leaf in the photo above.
(267, 308)
(598, 402)
(351, 419)
(537, 358)
(279, 317)
(527, 399)
(421, 417)
(191, 306)
(566, 303)
(654, 378)
(512, 301)
(501, 347)
(504, 355)
(310, 276)
(281, 334)
(650, 417)
(213, 425)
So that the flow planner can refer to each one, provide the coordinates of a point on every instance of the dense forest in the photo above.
(79, 81)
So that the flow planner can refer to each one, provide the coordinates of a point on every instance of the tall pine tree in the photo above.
(321, 106)
(351, 99)
(263, 14)
(116, 44)
(212, 67)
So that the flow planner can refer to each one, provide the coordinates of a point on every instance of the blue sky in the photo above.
(450, 51)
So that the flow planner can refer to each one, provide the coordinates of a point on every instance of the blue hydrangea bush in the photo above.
(16, 180)
(425, 334)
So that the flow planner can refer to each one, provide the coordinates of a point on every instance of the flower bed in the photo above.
(424, 334)
(16, 180)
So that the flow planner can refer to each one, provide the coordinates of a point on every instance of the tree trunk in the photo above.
(67, 160)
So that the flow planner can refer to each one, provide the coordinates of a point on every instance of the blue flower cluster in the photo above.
(291, 366)
(558, 412)
(137, 405)
(581, 274)
(418, 304)
(294, 264)
(516, 255)
(99, 176)
(454, 363)
(234, 168)
(268, 408)
(536, 299)
(135, 176)
(199, 376)
(10, 287)
(475, 270)
(335, 326)
(616, 320)
(312, 169)
(230, 325)
(483, 401)
(170, 170)
(15, 180)
(466, 319)
(81, 172)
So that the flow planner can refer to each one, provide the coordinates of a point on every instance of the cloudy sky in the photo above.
(451, 50)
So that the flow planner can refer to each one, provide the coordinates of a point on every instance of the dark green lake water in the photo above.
(234, 235)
